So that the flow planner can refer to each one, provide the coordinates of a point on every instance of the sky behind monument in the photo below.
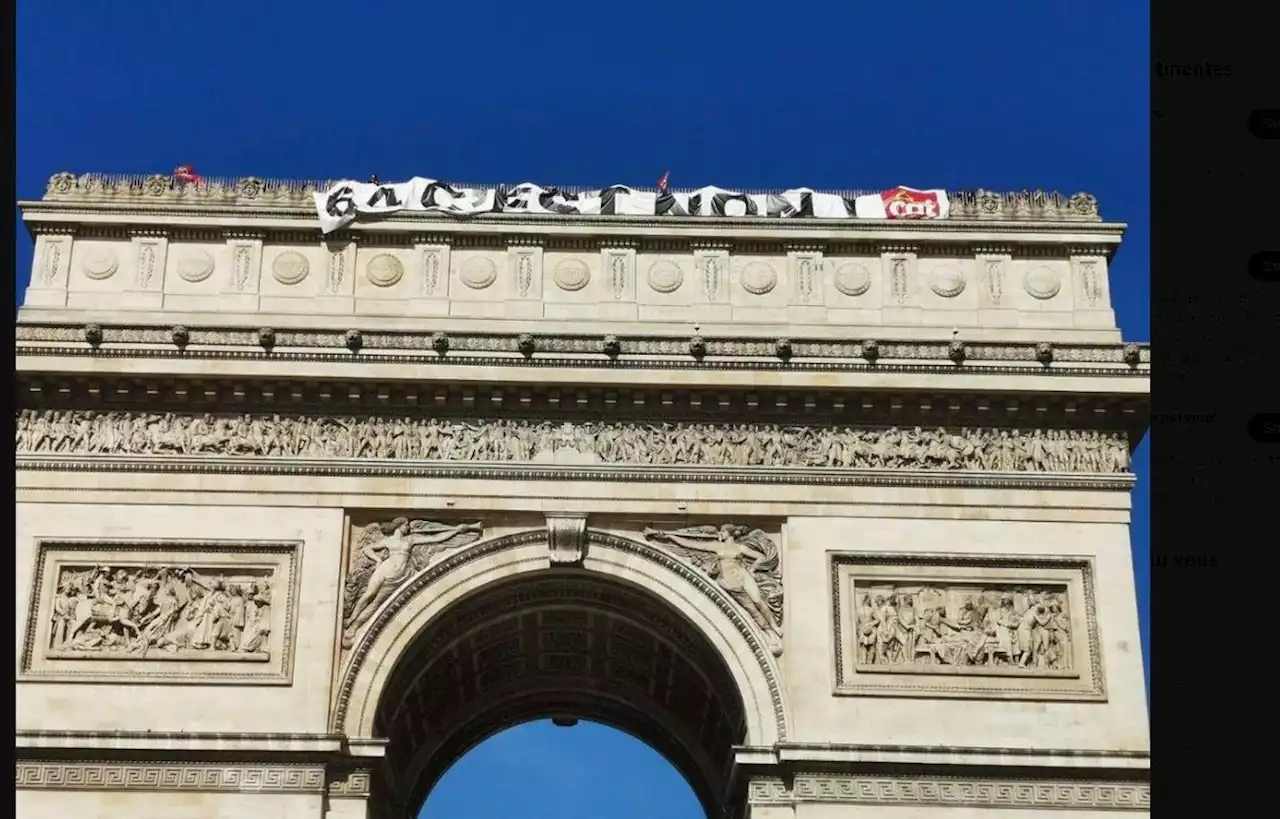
(1004, 95)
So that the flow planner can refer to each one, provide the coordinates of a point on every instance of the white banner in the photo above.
(347, 201)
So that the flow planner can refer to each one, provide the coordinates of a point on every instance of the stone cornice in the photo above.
(753, 352)
(807, 753)
(351, 467)
(952, 231)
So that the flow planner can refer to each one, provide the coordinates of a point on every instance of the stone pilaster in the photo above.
(337, 287)
(1091, 290)
(900, 275)
(618, 265)
(240, 285)
(805, 271)
(51, 265)
(429, 276)
(710, 285)
(997, 306)
(149, 249)
(524, 274)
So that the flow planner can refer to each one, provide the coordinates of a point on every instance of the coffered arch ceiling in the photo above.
(559, 643)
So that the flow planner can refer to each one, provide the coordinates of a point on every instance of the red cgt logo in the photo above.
(905, 203)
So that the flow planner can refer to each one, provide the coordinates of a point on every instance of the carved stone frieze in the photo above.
(162, 611)
(952, 792)
(746, 563)
(1003, 629)
(957, 625)
(61, 775)
(385, 555)
(173, 610)
(88, 432)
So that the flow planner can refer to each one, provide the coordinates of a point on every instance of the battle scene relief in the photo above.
(157, 611)
(162, 611)
(1009, 629)
(417, 438)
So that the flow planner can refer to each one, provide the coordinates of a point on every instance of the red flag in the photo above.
(662, 183)
(186, 174)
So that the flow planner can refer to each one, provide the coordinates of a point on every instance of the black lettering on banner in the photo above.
(386, 192)
(340, 203)
(428, 198)
(720, 204)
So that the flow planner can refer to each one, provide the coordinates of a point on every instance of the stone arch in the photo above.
(626, 595)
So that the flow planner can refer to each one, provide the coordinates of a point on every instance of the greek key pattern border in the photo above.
(170, 776)
(952, 792)
(356, 783)
(1097, 691)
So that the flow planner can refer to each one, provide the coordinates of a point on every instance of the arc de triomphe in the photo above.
(832, 513)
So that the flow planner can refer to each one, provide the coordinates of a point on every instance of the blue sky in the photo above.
(1003, 95)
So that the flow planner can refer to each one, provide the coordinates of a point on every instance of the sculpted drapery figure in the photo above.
(85, 432)
(137, 609)
(744, 561)
(1013, 628)
(384, 555)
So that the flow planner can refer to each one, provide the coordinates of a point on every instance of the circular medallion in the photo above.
(1042, 283)
(290, 267)
(852, 279)
(572, 274)
(100, 263)
(948, 282)
(478, 273)
(385, 270)
(758, 278)
(665, 277)
(195, 266)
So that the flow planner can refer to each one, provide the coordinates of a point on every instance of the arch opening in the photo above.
(562, 643)
(589, 769)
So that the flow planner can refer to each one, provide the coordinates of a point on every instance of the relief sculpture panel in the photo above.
(745, 562)
(386, 554)
(965, 627)
(163, 612)
(89, 432)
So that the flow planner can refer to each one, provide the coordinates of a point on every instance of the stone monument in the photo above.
(831, 512)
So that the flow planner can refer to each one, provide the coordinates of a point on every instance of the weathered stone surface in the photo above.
(776, 497)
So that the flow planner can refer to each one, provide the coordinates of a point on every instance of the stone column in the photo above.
(144, 290)
(51, 265)
(899, 266)
(239, 290)
(524, 272)
(430, 276)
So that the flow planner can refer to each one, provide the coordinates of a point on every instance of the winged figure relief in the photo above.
(744, 561)
(384, 555)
